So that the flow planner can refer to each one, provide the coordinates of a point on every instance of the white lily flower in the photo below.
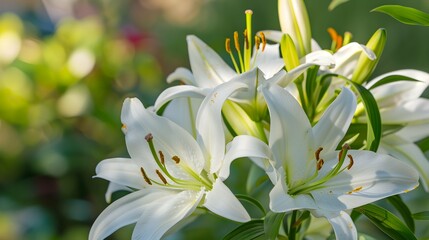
(171, 172)
(313, 175)
(400, 104)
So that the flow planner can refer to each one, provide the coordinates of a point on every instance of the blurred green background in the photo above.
(66, 67)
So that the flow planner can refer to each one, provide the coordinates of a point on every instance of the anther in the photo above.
(257, 42)
(228, 45)
(246, 39)
(236, 41)
(161, 176)
(264, 40)
(320, 163)
(145, 177)
(161, 157)
(333, 34)
(149, 137)
(176, 159)
(317, 153)
(351, 162)
(339, 42)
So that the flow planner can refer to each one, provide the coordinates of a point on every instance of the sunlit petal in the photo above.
(182, 74)
(121, 171)
(181, 91)
(222, 201)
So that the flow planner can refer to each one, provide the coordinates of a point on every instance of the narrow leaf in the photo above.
(421, 215)
(390, 79)
(251, 200)
(272, 223)
(373, 114)
(423, 144)
(403, 209)
(386, 222)
(407, 15)
(251, 230)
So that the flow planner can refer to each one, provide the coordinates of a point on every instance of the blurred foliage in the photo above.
(62, 87)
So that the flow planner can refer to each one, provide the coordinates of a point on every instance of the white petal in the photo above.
(335, 121)
(416, 74)
(416, 110)
(342, 224)
(163, 212)
(167, 137)
(182, 74)
(183, 111)
(208, 68)
(273, 35)
(121, 171)
(409, 153)
(210, 123)
(163, 208)
(280, 201)
(269, 60)
(347, 56)
(372, 177)
(221, 200)
(181, 91)
(113, 187)
(315, 46)
(414, 132)
(247, 146)
(291, 137)
(321, 58)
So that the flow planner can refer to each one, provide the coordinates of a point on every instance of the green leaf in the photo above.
(390, 79)
(421, 215)
(255, 179)
(272, 223)
(335, 3)
(407, 15)
(387, 222)
(251, 230)
(403, 209)
(423, 144)
(251, 200)
(374, 124)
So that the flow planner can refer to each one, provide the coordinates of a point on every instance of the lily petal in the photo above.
(210, 124)
(181, 91)
(269, 60)
(113, 187)
(207, 66)
(347, 56)
(182, 74)
(416, 110)
(280, 201)
(155, 205)
(247, 146)
(409, 153)
(335, 121)
(372, 177)
(221, 200)
(167, 136)
(122, 171)
(165, 211)
(183, 111)
(291, 137)
(342, 224)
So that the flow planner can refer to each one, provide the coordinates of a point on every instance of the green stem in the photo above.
(292, 228)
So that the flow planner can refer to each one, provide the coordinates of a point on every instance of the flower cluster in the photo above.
(329, 139)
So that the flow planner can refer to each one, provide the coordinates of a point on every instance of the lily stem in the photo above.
(292, 228)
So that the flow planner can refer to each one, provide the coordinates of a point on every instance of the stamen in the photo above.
(228, 50)
(355, 190)
(237, 47)
(347, 38)
(161, 157)
(264, 40)
(317, 153)
(320, 163)
(228, 45)
(339, 42)
(246, 39)
(161, 176)
(351, 162)
(149, 137)
(145, 177)
(257, 42)
(176, 159)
